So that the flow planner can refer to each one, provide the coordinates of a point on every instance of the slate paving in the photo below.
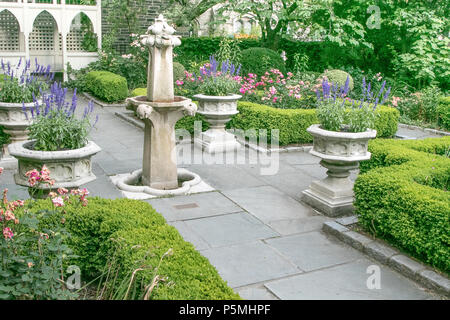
(254, 229)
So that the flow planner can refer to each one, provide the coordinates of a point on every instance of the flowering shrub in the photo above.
(334, 115)
(32, 245)
(55, 126)
(214, 79)
(419, 106)
(23, 85)
(277, 90)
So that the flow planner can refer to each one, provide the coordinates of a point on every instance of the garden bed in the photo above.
(402, 197)
(133, 234)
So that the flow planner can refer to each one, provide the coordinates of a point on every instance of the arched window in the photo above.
(81, 36)
(9, 32)
(45, 35)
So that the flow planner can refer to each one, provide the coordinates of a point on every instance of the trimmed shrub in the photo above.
(293, 123)
(260, 60)
(138, 92)
(107, 86)
(443, 111)
(338, 77)
(401, 196)
(178, 71)
(141, 235)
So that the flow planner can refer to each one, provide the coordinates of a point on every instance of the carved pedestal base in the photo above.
(340, 152)
(334, 195)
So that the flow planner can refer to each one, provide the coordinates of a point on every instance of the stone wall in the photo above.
(146, 17)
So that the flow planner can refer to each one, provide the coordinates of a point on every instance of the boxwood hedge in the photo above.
(107, 86)
(401, 196)
(141, 236)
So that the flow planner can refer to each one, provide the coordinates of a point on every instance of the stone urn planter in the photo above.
(217, 110)
(15, 123)
(340, 152)
(69, 168)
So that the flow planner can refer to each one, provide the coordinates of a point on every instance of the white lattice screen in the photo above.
(42, 38)
(9, 32)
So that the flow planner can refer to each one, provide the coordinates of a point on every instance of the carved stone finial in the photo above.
(160, 34)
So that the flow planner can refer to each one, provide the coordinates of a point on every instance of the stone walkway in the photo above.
(254, 229)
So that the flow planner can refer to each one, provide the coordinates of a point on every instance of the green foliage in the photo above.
(178, 71)
(55, 126)
(89, 42)
(56, 131)
(228, 51)
(139, 92)
(198, 50)
(386, 121)
(291, 123)
(138, 236)
(421, 106)
(11, 91)
(260, 60)
(107, 86)
(402, 196)
(331, 115)
(32, 261)
(4, 137)
(33, 246)
(222, 85)
(443, 111)
(338, 77)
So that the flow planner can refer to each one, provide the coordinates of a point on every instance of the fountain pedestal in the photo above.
(159, 165)
(160, 110)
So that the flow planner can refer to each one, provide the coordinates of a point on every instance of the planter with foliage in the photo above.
(218, 103)
(59, 141)
(341, 141)
(20, 89)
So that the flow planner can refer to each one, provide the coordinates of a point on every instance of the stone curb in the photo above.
(263, 149)
(387, 255)
(101, 103)
(126, 116)
(438, 132)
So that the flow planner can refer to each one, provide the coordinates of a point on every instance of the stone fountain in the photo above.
(160, 110)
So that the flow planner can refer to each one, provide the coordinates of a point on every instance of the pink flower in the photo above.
(272, 90)
(9, 215)
(1, 170)
(7, 233)
(395, 101)
(58, 202)
(179, 82)
(62, 191)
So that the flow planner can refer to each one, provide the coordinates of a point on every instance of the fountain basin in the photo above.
(130, 183)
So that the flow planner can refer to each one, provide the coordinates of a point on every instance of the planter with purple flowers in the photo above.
(58, 140)
(217, 103)
(341, 141)
(20, 90)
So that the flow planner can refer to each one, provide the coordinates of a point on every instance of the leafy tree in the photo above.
(296, 19)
